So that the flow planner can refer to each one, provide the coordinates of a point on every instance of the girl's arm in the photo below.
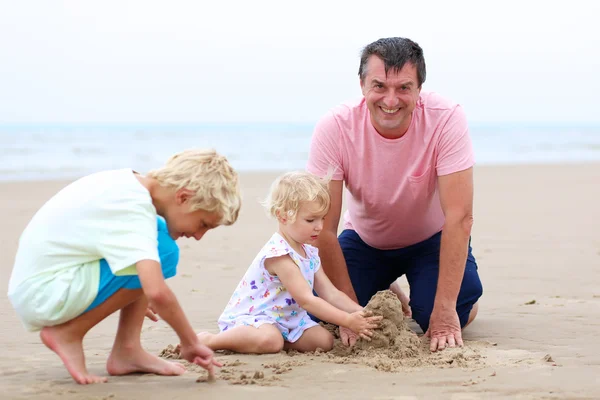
(328, 292)
(291, 277)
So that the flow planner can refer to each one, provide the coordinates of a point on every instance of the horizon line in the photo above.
(292, 123)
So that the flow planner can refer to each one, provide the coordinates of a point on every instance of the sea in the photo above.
(68, 151)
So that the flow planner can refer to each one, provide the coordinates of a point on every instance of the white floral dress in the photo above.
(261, 298)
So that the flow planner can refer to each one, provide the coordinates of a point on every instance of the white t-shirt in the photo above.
(108, 215)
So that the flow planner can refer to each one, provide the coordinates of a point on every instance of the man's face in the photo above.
(390, 98)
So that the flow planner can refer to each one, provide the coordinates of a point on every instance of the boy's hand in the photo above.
(201, 355)
(151, 314)
(362, 324)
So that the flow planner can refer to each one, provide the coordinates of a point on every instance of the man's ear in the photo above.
(182, 196)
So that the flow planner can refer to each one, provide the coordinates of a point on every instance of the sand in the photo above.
(536, 242)
(395, 346)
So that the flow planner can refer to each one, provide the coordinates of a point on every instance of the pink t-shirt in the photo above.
(391, 184)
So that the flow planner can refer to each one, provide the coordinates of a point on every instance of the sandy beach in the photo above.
(536, 336)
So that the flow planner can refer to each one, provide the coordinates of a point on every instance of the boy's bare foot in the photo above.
(128, 361)
(70, 351)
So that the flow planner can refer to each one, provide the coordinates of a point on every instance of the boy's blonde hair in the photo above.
(290, 190)
(209, 175)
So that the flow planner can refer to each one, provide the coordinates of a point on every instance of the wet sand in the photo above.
(536, 242)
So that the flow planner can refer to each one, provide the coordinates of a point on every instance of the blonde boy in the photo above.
(106, 242)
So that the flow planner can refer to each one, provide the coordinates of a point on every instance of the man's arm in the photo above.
(456, 197)
(330, 252)
(332, 295)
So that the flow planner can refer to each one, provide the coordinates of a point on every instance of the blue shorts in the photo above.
(168, 251)
(372, 270)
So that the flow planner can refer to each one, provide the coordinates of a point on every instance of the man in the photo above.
(407, 162)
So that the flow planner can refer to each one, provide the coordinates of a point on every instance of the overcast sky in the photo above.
(144, 61)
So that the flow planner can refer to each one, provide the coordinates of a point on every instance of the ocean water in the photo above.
(40, 152)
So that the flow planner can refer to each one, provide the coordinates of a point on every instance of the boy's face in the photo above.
(182, 222)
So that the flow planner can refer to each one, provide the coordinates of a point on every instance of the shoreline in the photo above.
(250, 172)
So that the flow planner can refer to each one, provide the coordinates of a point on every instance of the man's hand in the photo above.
(444, 329)
(348, 337)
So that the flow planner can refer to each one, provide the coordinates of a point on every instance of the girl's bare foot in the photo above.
(70, 351)
(205, 338)
(128, 361)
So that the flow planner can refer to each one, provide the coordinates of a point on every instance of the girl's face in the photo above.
(308, 223)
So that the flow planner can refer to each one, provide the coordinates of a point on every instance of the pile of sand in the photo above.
(394, 345)
(393, 337)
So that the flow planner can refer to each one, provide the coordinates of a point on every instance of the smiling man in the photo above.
(406, 159)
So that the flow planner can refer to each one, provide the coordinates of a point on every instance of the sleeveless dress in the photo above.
(260, 298)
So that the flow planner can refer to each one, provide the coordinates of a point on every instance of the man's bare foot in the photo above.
(70, 351)
(128, 361)
(404, 300)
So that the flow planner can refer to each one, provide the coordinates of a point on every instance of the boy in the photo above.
(101, 245)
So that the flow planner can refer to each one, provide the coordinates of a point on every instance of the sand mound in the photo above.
(394, 345)
(393, 335)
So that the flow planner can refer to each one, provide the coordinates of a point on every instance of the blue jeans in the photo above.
(372, 270)
(168, 251)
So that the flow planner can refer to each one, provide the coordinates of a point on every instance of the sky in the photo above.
(154, 62)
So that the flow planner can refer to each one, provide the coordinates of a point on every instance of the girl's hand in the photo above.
(363, 325)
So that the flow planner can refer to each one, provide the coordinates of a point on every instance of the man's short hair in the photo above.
(395, 52)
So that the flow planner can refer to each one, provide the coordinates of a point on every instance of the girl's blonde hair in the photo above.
(209, 176)
(290, 190)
